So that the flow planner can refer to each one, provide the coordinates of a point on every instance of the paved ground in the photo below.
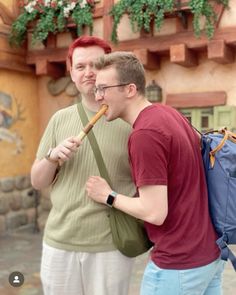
(21, 251)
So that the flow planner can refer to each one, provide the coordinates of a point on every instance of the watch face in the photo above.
(110, 200)
(49, 153)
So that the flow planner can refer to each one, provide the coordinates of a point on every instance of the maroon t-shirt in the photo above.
(165, 150)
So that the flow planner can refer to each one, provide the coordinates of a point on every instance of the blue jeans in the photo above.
(204, 280)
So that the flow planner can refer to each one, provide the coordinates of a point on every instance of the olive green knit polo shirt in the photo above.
(75, 222)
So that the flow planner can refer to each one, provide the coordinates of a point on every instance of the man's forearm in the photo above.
(137, 208)
(43, 173)
(150, 206)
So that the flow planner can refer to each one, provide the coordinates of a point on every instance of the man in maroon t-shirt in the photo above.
(167, 169)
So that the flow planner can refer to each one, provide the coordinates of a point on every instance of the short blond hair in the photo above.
(128, 67)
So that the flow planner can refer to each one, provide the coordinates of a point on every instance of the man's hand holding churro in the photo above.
(66, 149)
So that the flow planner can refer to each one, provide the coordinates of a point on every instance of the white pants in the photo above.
(82, 273)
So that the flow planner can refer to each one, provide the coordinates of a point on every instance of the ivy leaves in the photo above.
(19, 28)
(45, 17)
(203, 9)
(142, 12)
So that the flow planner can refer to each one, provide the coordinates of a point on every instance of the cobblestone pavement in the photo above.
(21, 251)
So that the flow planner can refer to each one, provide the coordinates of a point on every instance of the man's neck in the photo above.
(90, 103)
(135, 109)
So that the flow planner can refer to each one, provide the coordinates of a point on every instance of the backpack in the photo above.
(219, 158)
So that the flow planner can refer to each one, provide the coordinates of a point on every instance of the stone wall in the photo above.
(17, 207)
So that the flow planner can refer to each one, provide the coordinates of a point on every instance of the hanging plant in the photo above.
(142, 12)
(204, 8)
(50, 16)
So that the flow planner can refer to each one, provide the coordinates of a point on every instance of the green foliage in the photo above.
(50, 16)
(53, 16)
(142, 12)
(19, 28)
(204, 8)
(82, 17)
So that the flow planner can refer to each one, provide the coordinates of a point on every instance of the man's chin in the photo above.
(89, 92)
(109, 118)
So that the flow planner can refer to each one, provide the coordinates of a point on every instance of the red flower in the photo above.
(21, 3)
(53, 4)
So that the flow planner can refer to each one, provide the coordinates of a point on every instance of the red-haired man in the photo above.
(78, 253)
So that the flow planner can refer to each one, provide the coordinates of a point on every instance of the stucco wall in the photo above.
(49, 104)
(9, 3)
(229, 16)
(207, 76)
(19, 134)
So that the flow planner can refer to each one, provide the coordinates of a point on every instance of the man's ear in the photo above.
(132, 90)
(71, 74)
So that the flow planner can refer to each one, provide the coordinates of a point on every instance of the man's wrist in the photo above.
(111, 199)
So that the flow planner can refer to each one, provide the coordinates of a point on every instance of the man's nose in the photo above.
(98, 97)
(89, 70)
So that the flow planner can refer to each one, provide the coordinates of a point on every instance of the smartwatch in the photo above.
(111, 198)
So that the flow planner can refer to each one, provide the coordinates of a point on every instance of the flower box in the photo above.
(43, 17)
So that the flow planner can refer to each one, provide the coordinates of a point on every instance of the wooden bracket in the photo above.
(44, 67)
(182, 55)
(148, 59)
(220, 52)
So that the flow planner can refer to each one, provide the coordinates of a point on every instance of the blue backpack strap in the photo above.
(226, 253)
(206, 148)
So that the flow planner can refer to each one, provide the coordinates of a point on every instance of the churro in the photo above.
(92, 122)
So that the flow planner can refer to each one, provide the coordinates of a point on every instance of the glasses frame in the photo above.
(101, 89)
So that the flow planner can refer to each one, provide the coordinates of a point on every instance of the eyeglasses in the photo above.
(101, 89)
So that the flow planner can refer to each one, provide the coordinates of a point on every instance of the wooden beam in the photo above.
(5, 47)
(182, 5)
(219, 52)
(44, 67)
(51, 55)
(181, 55)
(16, 66)
(196, 99)
(153, 45)
(51, 41)
(11, 57)
(107, 19)
(98, 12)
(219, 9)
(161, 44)
(148, 59)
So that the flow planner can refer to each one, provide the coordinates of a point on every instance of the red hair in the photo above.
(86, 41)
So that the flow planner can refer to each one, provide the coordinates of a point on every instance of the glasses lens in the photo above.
(100, 90)
(95, 90)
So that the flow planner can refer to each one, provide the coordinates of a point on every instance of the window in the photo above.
(200, 118)
(211, 118)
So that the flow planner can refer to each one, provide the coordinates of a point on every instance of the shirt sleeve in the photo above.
(149, 153)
